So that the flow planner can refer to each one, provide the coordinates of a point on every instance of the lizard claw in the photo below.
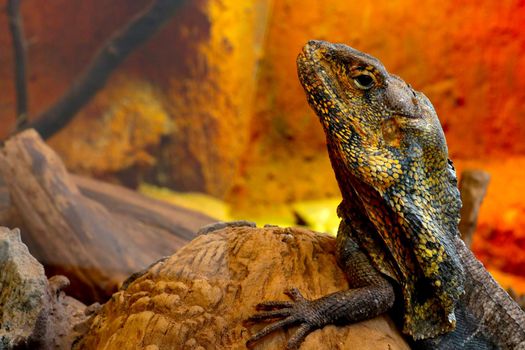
(288, 313)
(269, 329)
(297, 338)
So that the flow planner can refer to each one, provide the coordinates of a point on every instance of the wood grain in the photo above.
(95, 245)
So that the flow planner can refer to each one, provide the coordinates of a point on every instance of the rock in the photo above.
(34, 312)
(199, 297)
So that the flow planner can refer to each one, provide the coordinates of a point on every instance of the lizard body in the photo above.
(398, 241)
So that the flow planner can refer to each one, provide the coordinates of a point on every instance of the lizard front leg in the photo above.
(371, 295)
(341, 307)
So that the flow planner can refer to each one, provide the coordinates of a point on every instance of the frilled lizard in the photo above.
(398, 240)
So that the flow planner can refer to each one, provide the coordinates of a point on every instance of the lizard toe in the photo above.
(272, 305)
(288, 321)
(297, 338)
(270, 314)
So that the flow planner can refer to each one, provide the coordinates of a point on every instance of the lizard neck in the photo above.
(411, 240)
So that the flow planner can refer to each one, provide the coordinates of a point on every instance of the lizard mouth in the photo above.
(405, 115)
(307, 61)
(315, 69)
(315, 75)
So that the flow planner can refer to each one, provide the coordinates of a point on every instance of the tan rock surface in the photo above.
(198, 298)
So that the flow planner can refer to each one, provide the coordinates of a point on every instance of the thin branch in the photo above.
(19, 53)
(105, 61)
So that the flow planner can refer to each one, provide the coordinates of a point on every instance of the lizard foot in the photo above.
(345, 306)
(309, 314)
(223, 224)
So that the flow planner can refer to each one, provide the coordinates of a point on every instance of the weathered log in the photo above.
(121, 201)
(473, 186)
(9, 216)
(72, 235)
(34, 312)
(199, 297)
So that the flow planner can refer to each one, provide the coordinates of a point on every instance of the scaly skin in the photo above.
(400, 215)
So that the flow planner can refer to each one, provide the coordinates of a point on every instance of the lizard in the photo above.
(398, 240)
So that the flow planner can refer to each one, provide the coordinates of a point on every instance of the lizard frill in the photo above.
(389, 155)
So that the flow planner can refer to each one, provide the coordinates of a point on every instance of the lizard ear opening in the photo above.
(391, 132)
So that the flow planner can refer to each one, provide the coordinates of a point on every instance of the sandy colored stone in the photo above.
(22, 282)
(34, 312)
(199, 297)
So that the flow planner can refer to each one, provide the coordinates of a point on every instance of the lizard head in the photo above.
(389, 155)
(375, 120)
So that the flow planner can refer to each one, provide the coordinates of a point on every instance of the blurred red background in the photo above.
(212, 103)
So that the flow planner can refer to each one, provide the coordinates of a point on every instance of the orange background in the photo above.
(212, 102)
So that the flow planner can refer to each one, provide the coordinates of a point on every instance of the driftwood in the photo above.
(34, 313)
(473, 186)
(199, 297)
(134, 206)
(95, 243)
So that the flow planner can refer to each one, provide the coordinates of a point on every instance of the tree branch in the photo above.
(473, 187)
(106, 60)
(17, 34)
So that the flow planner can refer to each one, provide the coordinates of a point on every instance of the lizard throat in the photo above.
(418, 255)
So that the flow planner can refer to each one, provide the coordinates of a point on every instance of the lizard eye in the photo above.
(364, 81)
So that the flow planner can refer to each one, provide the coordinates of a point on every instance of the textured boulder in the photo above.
(199, 297)
(34, 313)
